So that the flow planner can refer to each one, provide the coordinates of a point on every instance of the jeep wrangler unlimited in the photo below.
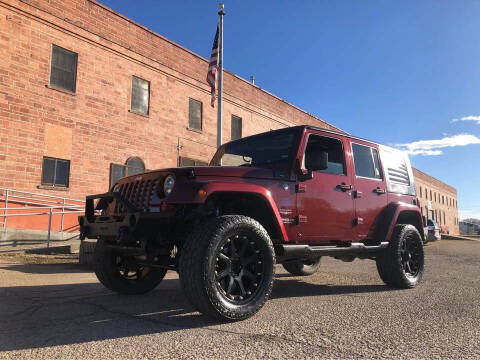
(289, 196)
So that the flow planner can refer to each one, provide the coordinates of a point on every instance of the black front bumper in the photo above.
(122, 228)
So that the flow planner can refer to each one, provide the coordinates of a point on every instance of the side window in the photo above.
(334, 149)
(366, 161)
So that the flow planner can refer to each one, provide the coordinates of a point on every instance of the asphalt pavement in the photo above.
(344, 311)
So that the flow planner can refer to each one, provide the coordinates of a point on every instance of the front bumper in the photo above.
(123, 228)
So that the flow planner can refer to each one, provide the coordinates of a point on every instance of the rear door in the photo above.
(370, 192)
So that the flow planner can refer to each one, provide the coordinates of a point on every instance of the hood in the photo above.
(208, 172)
(232, 171)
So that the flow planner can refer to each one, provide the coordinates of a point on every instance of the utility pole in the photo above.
(220, 77)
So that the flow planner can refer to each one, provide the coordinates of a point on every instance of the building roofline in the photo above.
(205, 60)
(434, 178)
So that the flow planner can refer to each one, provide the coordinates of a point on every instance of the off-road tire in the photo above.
(392, 262)
(199, 272)
(106, 269)
(302, 267)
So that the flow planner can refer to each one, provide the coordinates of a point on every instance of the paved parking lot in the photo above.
(344, 311)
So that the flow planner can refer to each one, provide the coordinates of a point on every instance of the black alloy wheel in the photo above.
(227, 267)
(402, 263)
(239, 268)
(411, 254)
(122, 273)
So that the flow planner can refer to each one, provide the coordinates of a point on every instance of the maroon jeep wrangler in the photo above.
(288, 196)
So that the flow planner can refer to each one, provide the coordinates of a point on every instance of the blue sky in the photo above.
(397, 72)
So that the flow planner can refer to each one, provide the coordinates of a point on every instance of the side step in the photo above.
(289, 252)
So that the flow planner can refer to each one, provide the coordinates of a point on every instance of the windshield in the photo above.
(270, 150)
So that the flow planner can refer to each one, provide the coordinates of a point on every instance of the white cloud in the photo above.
(475, 118)
(432, 147)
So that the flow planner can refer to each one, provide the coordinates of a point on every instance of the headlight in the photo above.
(168, 184)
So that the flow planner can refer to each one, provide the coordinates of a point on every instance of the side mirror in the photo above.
(316, 160)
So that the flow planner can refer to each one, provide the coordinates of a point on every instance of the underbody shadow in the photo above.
(63, 314)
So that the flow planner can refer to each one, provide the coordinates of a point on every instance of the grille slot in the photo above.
(138, 193)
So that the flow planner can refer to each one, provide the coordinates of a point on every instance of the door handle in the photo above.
(344, 187)
(379, 191)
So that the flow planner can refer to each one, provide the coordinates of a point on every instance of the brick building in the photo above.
(438, 201)
(88, 95)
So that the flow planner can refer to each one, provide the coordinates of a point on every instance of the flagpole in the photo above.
(220, 77)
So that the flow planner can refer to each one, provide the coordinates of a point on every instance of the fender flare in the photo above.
(212, 188)
(391, 214)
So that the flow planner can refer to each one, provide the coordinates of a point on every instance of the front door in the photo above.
(325, 204)
(370, 193)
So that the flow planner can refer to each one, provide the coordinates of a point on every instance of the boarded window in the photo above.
(140, 96)
(55, 172)
(194, 114)
(366, 161)
(236, 127)
(185, 161)
(63, 69)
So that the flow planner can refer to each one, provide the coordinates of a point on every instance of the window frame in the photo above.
(59, 87)
(148, 98)
(190, 99)
(302, 163)
(382, 175)
(67, 186)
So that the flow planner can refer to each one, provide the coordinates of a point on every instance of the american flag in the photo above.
(213, 68)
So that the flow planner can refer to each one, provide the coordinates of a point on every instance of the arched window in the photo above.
(135, 165)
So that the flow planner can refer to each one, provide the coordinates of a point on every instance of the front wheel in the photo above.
(402, 263)
(122, 273)
(227, 267)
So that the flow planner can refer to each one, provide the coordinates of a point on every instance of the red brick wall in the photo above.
(449, 206)
(110, 48)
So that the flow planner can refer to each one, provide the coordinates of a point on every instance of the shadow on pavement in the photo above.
(51, 315)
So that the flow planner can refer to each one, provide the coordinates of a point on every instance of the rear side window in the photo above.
(366, 161)
(396, 166)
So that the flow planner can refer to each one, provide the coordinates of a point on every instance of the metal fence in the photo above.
(45, 204)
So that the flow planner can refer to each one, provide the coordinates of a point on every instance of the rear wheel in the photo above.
(402, 263)
(302, 267)
(122, 273)
(227, 267)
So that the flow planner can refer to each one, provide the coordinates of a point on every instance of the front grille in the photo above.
(139, 193)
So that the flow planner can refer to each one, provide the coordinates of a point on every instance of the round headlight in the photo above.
(168, 184)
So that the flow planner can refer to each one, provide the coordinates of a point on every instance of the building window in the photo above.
(55, 172)
(133, 165)
(236, 127)
(194, 114)
(420, 192)
(431, 197)
(140, 99)
(185, 161)
(63, 69)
